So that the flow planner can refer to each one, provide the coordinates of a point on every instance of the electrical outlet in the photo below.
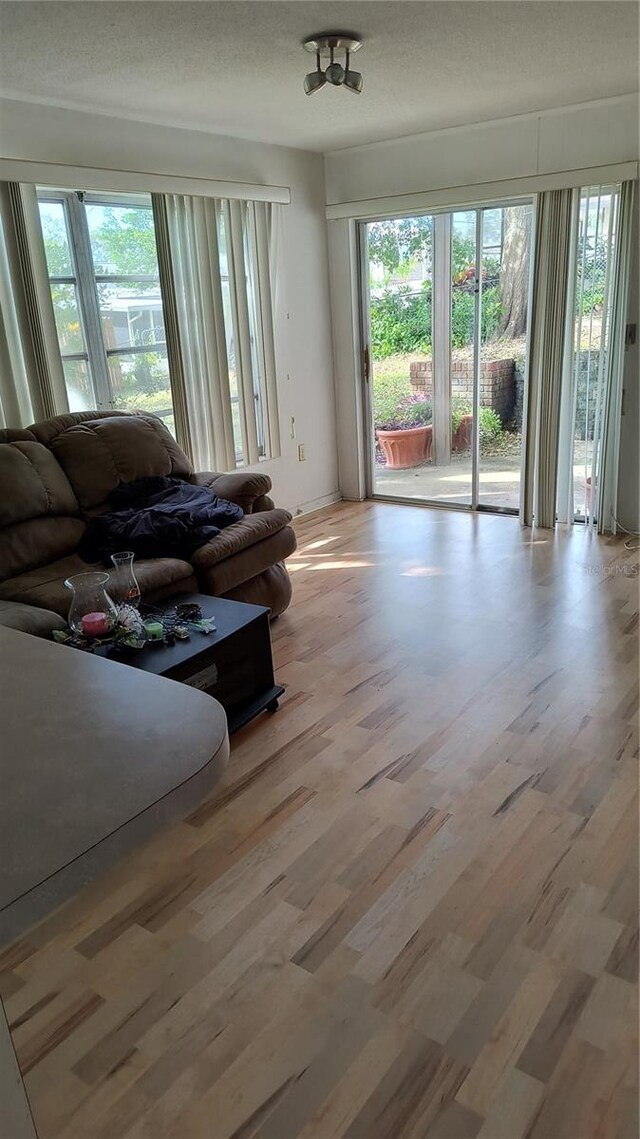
(302, 453)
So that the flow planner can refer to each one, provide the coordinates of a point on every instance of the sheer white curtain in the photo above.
(554, 221)
(31, 376)
(216, 266)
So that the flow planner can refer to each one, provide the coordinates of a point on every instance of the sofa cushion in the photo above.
(239, 536)
(37, 542)
(99, 454)
(222, 576)
(33, 483)
(14, 434)
(30, 619)
(245, 488)
(45, 586)
(47, 429)
(272, 588)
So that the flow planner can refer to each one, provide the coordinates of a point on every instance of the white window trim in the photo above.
(86, 280)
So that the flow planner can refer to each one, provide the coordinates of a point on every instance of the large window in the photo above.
(103, 271)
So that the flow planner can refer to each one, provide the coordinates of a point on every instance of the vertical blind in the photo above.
(216, 269)
(16, 404)
(204, 377)
(579, 313)
(29, 316)
(172, 324)
(263, 220)
(548, 332)
(592, 378)
(591, 339)
(606, 476)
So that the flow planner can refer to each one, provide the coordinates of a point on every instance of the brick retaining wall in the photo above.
(497, 382)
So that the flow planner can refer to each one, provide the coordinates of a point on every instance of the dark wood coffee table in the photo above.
(234, 663)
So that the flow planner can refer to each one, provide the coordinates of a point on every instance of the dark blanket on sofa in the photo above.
(157, 517)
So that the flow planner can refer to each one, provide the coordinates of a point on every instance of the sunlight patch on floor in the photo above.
(340, 565)
(320, 542)
(422, 571)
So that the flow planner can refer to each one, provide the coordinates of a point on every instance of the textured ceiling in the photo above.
(236, 67)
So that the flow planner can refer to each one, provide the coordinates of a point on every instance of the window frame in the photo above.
(86, 281)
(68, 199)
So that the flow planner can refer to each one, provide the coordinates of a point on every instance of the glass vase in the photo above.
(92, 611)
(123, 585)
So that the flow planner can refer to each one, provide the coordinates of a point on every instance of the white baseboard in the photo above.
(317, 504)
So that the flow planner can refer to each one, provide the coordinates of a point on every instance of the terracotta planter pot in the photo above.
(408, 447)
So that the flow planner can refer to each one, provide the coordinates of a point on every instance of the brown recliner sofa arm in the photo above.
(248, 489)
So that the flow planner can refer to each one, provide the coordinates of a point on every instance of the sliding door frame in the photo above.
(363, 368)
(441, 333)
(441, 312)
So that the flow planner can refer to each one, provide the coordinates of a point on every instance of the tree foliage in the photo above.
(124, 242)
(400, 240)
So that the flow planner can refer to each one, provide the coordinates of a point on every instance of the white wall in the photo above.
(569, 138)
(303, 330)
(526, 146)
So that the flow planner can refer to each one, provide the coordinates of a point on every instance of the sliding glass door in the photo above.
(399, 302)
(505, 235)
(445, 302)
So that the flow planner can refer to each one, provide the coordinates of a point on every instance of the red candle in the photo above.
(95, 624)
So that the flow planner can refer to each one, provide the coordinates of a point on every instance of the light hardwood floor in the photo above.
(410, 911)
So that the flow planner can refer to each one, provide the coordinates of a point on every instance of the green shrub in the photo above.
(462, 315)
(461, 319)
(491, 312)
(401, 321)
(490, 422)
(459, 407)
(389, 390)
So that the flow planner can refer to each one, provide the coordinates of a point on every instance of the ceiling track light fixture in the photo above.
(325, 47)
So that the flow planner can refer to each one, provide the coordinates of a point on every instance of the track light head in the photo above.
(315, 80)
(352, 81)
(336, 74)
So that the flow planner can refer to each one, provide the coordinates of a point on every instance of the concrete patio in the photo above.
(499, 481)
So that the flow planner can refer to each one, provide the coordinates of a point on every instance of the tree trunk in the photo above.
(514, 270)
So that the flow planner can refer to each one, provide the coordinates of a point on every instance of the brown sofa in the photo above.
(58, 473)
